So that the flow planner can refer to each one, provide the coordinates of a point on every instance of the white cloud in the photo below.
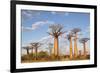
(37, 25)
(27, 29)
(66, 13)
(44, 38)
(26, 14)
(53, 12)
(60, 13)
(41, 23)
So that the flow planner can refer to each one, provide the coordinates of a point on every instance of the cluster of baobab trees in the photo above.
(32, 46)
(55, 31)
(73, 35)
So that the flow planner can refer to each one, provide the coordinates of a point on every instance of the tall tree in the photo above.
(75, 31)
(55, 31)
(84, 41)
(35, 46)
(27, 49)
(50, 48)
(69, 36)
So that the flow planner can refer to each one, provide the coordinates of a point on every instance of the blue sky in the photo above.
(35, 24)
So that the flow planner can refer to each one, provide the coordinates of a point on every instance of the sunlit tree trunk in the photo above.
(75, 46)
(84, 44)
(56, 48)
(71, 51)
(75, 31)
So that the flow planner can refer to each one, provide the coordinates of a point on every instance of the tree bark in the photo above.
(36, 53)
(27, 51)
(84, 44)
(56, 48)
(71, 51)
(75, 46)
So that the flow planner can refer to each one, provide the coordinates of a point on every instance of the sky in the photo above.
(35, 25)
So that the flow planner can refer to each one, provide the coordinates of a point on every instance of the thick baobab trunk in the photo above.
(75, 46)
(36, 53)
(56, 48)
(27, 52)
(84, 44)
(71, 51)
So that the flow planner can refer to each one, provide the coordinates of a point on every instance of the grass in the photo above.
(44, 57)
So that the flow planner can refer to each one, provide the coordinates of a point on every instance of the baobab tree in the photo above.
(27, 48)
(50, 45)
(35, 46)
(69, 36)
(56, 31)
(75, 31)
(84, 41)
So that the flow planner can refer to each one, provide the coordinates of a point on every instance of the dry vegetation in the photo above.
(44, 57)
